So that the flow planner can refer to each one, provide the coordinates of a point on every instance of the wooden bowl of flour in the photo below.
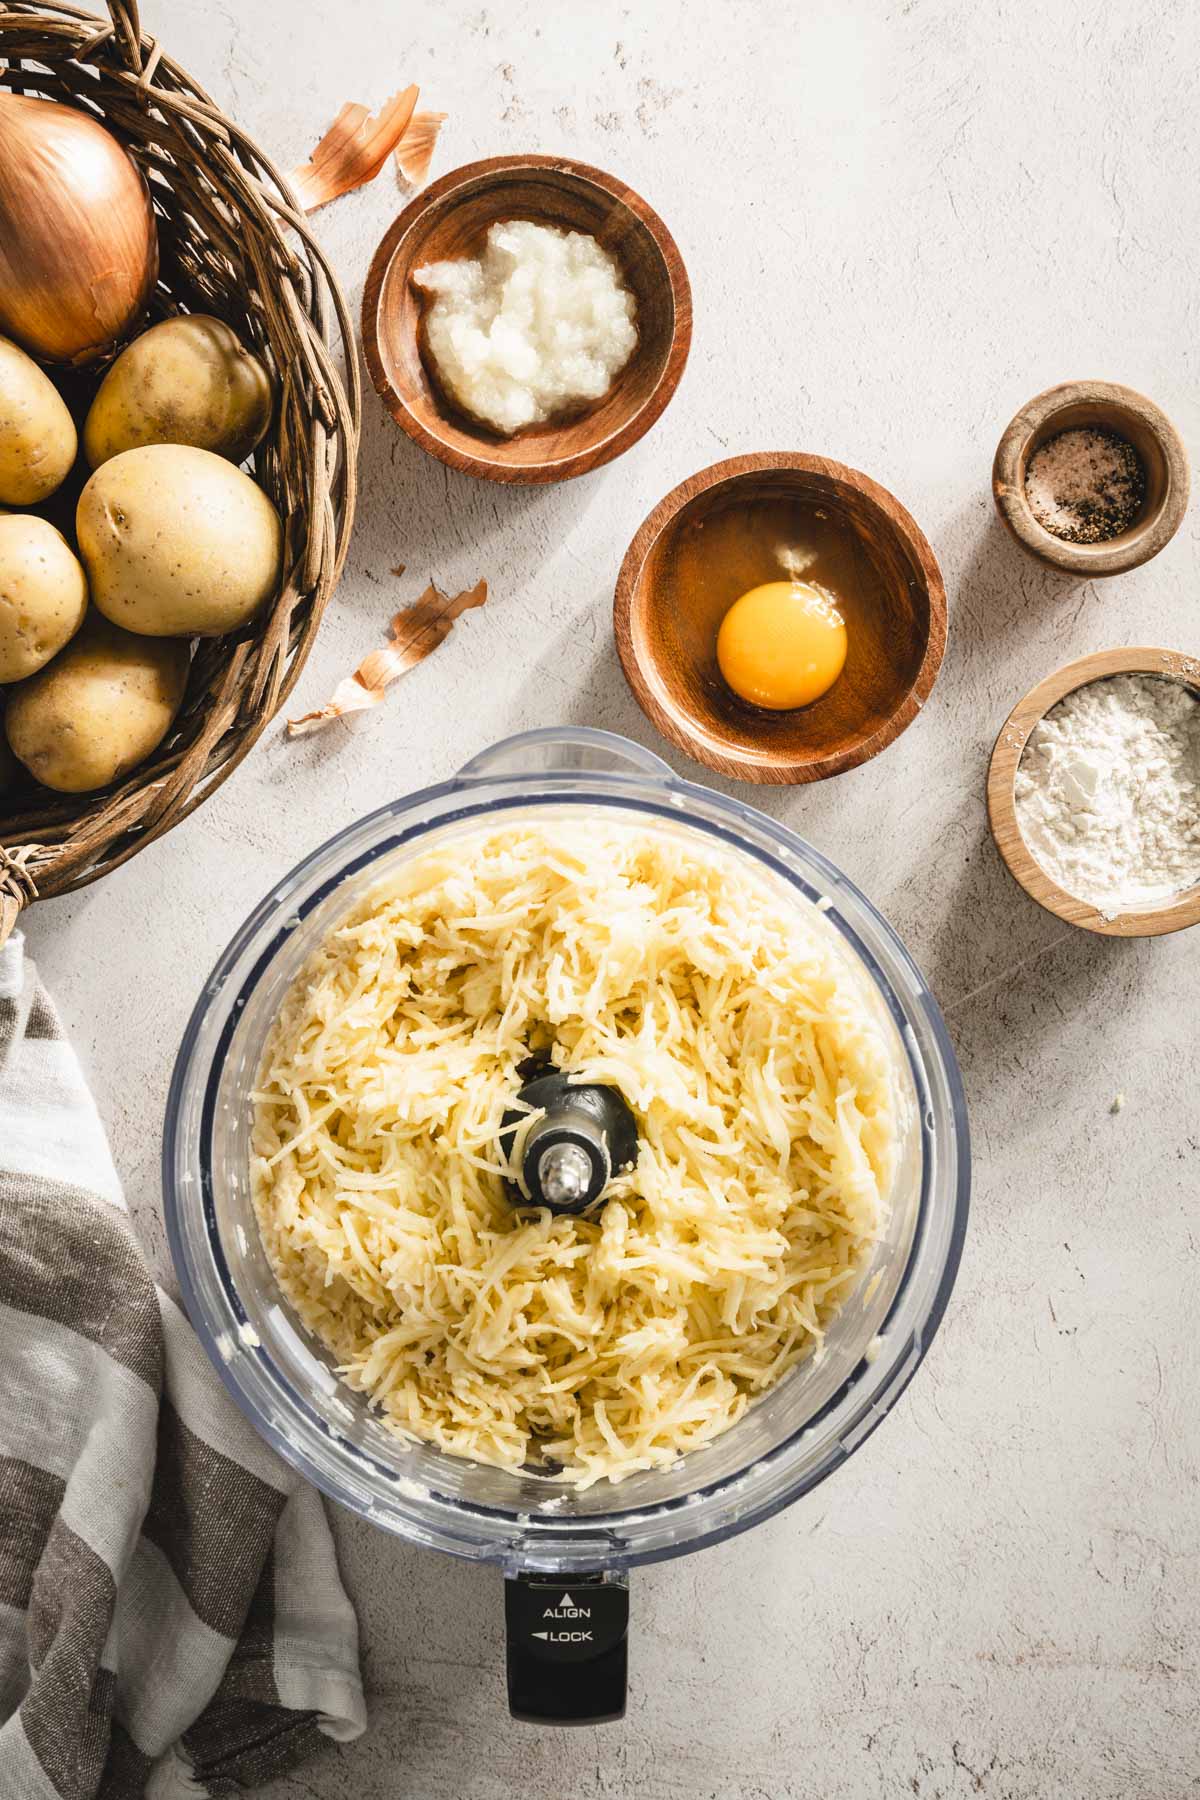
(449, 221)
(1172, 914)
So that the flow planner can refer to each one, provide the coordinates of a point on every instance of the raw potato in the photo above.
(43, 594)
(98, 709)
(177, 542)
(37, 434)
(186, 381)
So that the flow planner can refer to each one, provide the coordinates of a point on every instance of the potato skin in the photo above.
(177, 542)
(43, 594)
(188, 380)
(37, 434)
(98, 709)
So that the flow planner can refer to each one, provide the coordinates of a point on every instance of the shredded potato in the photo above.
(765, 1090)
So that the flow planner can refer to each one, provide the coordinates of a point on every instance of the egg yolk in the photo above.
(782, 645)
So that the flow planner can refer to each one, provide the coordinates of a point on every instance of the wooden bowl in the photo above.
(1131, 416)
(451, 218)
(1156, 921)
(666, 630)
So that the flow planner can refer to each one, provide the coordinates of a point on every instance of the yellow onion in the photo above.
(78, 246)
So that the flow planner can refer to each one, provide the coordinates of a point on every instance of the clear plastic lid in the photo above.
(791, 1438)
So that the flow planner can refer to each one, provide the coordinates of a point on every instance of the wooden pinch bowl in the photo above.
(450, 219)
(666, 630)
(1173, 914)
(1111, 407)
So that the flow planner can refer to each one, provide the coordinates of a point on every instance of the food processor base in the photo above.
(567, 1648)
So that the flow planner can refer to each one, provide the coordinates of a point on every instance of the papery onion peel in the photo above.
(414, 152)
(416, 631)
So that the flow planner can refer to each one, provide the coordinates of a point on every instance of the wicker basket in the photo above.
(231, 242)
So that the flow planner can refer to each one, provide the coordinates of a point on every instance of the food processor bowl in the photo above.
(537, 1530)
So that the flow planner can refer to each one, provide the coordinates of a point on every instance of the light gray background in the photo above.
(901, 221)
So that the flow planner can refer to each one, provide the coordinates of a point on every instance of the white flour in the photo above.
(1108, 792)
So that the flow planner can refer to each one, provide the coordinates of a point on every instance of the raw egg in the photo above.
(782, 645)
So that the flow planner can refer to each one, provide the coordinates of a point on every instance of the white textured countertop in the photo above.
(900, 221)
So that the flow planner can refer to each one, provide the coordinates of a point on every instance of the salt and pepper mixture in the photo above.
(1086, 485)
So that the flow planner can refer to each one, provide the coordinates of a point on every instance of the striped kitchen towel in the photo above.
(171, 1617)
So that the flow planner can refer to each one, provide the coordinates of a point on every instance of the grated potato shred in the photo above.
(753, 1055)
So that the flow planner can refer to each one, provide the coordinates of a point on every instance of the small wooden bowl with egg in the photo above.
(1107, 406)
(450, 220)
(674, 590)
(1172, 914)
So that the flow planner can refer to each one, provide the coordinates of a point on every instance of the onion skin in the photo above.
(78, 244)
